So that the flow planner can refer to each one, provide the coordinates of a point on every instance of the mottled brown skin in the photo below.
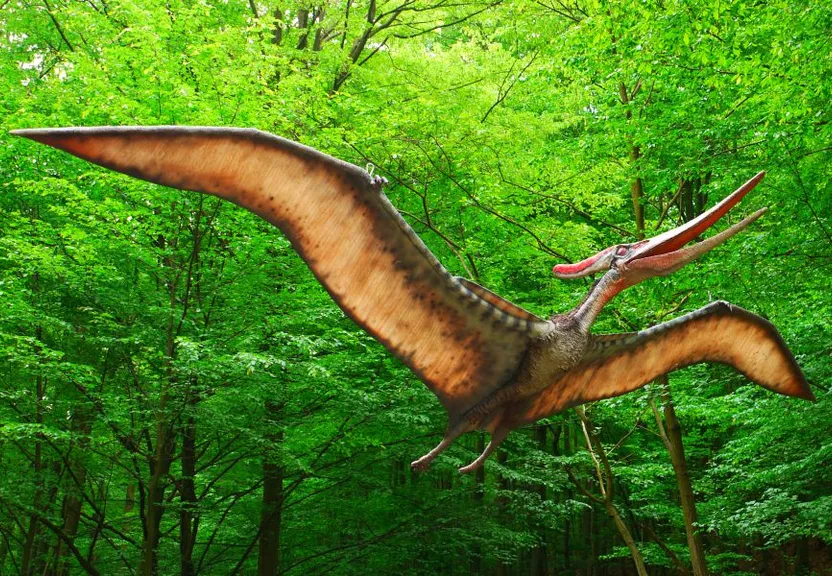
(369, 260)
(612, 365)
(493, 365)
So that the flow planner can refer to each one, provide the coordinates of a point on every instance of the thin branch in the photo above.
(659, 424)
(582, 213)
(452, 246)
(451, 23)
(629, 432)
(374, 52)
(601, 484)
(581, 487)
(818, 151)
(541, 244)
(503, 94)
(57, 25)
(85, 564)
(563, 11)
(683, 570)
(734, 109)
(670, 203)
(806, 198)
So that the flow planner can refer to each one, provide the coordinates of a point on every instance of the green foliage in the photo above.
(157, 340)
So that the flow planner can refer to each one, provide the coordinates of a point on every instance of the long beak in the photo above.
(662, 254)
(666, 263)
(678, 237)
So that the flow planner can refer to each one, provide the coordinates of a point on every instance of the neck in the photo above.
(602, 292)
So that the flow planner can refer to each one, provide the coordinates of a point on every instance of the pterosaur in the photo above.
(493, 365)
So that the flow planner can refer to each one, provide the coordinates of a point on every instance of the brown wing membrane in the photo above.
(357, 245)
(719, 332)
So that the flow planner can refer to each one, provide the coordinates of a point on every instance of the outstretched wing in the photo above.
(371, 262)
(719, 332)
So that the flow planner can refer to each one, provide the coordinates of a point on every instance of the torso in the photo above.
(550, 356)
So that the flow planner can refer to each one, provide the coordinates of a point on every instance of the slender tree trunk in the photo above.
(637, 192)
(568, 524)
(188, 515)
(606, 488)
(72, 501)
(478, 496)
(539, 554)
(589, 544)
(29, 544)
(129, 503)
(503, 484)
(627, 536)
(155, 496)
(637, 186)
(4, 545)
(160, 462)
(671, 435)
(268, 555)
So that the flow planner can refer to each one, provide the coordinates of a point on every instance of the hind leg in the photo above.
(422, 463)
(496, 439)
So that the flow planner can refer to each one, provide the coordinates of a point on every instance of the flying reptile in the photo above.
(493, 365)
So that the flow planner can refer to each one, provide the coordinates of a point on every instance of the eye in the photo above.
(622, 250)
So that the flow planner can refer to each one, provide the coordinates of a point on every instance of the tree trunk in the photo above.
(155, 496)
(503, 483)
(568, 524)
(479, 494)
(268, 555)
(641, 569)
(539, 554)
(671, 434)
(72, 501)
(606, 488)
(188, 515)
(637, 186)
(29, 544)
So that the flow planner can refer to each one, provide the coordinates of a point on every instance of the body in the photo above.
(491, 364)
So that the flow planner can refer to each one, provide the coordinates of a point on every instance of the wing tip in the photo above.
(796, 384)
(36, 134)
(804, 392)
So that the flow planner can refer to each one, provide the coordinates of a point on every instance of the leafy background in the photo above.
(179, 396)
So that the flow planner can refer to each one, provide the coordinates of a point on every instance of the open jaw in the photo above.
(665, 253)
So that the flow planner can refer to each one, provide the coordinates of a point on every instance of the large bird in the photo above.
(493, 365)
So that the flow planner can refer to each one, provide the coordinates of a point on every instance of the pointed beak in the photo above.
(665, 253)
(598, 263)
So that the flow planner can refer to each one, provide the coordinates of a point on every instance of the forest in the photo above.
(179, 395)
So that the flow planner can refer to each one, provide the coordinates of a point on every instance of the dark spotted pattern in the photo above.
(462, 345)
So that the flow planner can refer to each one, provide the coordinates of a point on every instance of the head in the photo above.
(626, 265)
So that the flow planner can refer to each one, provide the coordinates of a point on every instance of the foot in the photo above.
(421, 464)
(472, 466)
